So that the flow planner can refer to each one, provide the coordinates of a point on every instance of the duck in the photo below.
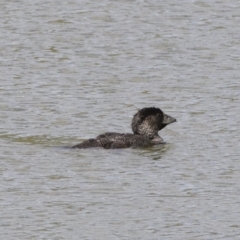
(146, 124)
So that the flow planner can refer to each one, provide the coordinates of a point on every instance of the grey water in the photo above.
(71, 70)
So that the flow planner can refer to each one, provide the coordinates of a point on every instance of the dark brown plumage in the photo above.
(145, 125)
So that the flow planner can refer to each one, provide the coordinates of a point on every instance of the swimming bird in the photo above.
(145, 126)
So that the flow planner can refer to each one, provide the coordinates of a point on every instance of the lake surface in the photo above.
(71, 70)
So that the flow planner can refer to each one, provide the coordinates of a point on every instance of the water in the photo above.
(72, 70)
